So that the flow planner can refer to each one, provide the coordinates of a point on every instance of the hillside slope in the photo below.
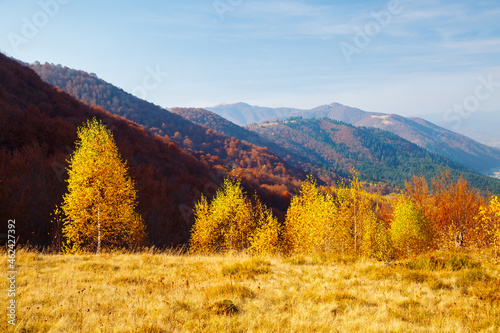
(480, 125)
(224, 126)
(243, 114)
(380, 156)
(37, 134)
(260, 169)
(325, 145)
(457, 147)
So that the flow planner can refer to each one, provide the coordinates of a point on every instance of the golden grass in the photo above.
(164, 292)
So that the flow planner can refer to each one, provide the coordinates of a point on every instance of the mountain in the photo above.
(37, 133)
(260, 169)
(326, 145)
(222, 125)
(457, 147)
(480, 125)
(378, 155)
(243, 114)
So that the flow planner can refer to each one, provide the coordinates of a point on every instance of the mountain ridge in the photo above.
(480, 125)
(326, 146)
(427, 135)
(260, 169)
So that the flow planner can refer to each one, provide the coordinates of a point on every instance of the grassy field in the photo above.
(165, 292)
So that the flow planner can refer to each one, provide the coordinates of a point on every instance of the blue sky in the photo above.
(419, 57)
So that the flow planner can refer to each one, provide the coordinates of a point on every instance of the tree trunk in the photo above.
(98, 231)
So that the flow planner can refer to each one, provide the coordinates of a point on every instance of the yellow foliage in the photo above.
(268, 238)
(489, 227)
(101, 199)
(310, 221)
(227, 223)
(344, 223)
(410, 231)
(376, 238)
(358, 231)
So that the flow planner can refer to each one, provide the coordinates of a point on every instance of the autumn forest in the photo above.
(211, 193)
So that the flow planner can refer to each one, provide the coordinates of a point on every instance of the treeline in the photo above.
(348, 220)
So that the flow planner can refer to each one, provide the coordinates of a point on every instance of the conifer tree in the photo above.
(101, 199)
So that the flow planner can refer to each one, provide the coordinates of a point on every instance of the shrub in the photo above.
(225, 307)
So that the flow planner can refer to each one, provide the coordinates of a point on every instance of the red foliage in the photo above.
(38, 130)
(37, 133)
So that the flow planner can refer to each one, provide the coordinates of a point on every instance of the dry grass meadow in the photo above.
(168, 292)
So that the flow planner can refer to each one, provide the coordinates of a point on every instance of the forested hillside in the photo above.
(324, 144)
(260, 169)
(38, 130)
(211, 120)
(378, 155)
(457, 147)
(37, 134)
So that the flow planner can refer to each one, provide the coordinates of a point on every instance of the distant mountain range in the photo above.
(481, 126)
(425, 134)
(243, 114)
(273, 164)
(330, 146)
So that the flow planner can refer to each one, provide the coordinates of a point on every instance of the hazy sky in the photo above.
(399, 56)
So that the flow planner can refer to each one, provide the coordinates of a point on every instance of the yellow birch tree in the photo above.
(268, 237)
(101, 199)
(309, 223)
(226, 223)
(410, 231)
(489, 227)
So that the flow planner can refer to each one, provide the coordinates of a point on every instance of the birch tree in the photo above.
(100, 205)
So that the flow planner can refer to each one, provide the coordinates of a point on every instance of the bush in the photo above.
(310, 221)
(442, 261)
(225, 307)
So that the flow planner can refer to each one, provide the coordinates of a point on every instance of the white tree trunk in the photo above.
(98, 231)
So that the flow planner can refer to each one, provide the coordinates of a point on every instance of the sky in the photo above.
(399, 56)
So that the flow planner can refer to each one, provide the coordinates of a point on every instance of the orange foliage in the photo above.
(451, 206)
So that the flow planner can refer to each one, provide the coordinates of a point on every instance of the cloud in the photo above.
(478, 46)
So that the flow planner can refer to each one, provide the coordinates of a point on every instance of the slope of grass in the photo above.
(165, 292)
